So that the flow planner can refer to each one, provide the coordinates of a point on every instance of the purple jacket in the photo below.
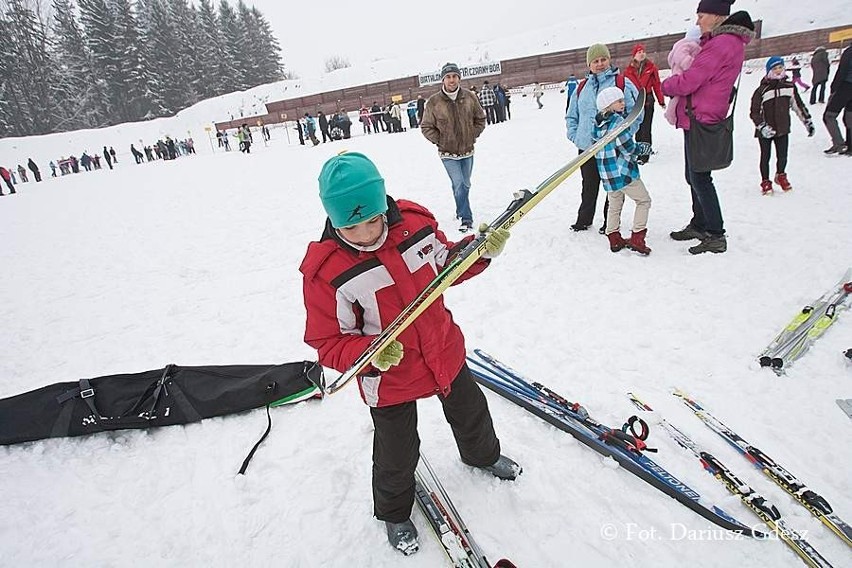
(713, 73)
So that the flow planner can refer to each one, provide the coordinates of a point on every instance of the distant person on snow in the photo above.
(770, 113)
(107, 157)
(23, 173)
(617, 165)
(538, 92)
(7, 179)
(819, 66)
(354, 278)
(570, 87)
(34, 169)
(453, 121)
(840, 100)
(796, 70)
(644, 74)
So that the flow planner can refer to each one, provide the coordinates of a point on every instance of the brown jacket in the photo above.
(771, 103)
(453, 125)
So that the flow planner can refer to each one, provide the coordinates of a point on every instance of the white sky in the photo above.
(369, 31)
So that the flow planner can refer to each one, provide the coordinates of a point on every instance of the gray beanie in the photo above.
(450, 68)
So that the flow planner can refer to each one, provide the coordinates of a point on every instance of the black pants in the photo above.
(325, 135)
(644, 132)
(839, 102)
(490, 115)
(821, 87)
(396, 444)
(9, 185)
(589, 197)
(782, 143)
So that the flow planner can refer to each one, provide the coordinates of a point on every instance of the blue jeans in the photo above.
(459, 172)
(706, 211)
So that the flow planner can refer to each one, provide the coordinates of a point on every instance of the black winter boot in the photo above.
(687, 234)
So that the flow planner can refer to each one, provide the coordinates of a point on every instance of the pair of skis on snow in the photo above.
(806, 327)
(627, 446)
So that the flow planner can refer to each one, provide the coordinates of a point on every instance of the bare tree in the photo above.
(336, 62)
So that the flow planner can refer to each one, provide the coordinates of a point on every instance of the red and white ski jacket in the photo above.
(351, 295)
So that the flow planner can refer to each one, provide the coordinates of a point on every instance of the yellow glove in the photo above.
(389, 357)
(495, 240)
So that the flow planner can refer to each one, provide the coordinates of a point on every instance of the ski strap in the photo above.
(257, 444)
(630, 426)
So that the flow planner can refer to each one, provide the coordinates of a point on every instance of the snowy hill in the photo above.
(196, 262)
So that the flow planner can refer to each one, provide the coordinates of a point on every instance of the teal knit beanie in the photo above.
(351, 189)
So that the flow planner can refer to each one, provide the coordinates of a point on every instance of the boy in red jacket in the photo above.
(374, 257)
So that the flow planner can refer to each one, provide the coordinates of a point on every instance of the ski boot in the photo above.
(403, 536)
(766, 187)
(504, 468)
(781, 180)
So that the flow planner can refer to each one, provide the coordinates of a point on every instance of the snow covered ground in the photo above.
(196, 262)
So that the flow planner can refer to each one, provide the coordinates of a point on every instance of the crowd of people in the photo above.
(163, 149)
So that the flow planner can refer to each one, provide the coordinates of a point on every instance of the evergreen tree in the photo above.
(130, 68)
(77, 91)
(268, 61)
(27, 73)
(235, 57)
(185, 23)
(101, 31)
(161, 52)
(211, 60)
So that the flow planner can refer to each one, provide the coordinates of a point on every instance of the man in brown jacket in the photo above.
(453, 121)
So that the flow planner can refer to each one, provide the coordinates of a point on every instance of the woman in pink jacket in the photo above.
(709, 83)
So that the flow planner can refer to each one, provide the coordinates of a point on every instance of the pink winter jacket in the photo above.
(713, 73)
(680, 59)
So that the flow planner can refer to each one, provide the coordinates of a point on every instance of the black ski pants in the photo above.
(781, 146)
(396, 444)
(644, 132)
(589, 197)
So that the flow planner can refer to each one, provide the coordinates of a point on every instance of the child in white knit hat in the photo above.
(617, 165)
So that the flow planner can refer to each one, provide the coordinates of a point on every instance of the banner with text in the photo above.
(469, 72)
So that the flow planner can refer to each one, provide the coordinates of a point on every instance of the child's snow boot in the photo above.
(637, 242)
(616, 241)
(766, 187)
(781, 180)
(504, 468)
